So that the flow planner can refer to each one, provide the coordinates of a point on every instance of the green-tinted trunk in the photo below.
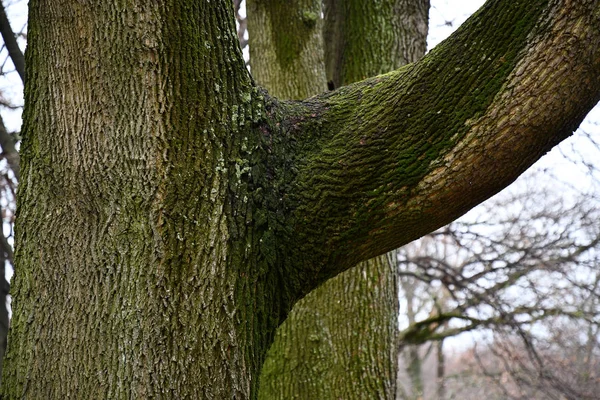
(139, 272)
(368, 38)
(286, 47)
(339, 341)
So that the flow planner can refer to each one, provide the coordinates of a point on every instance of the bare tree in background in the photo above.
(524, 270)
(9, 168)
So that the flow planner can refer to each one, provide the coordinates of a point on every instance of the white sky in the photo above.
(445, 16)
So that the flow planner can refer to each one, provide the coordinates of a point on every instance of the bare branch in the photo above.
(12, 46)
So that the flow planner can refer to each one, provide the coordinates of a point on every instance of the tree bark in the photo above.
(171, 213)
(286, 47)
(364, 38)
(317, 352)
(339, 341)
(403, 153)
(137, 275)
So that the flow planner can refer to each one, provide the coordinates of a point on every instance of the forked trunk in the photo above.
(339, 341)
(170, 213)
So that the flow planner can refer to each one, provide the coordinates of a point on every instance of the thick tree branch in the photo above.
(384, 161)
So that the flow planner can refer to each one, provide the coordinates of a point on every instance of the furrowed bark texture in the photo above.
(138, 276)
(364, 38)
(286, 47)
(340, 340)
(170, 213)
(407, 152)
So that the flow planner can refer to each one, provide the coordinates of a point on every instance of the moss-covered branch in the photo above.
(389, 159)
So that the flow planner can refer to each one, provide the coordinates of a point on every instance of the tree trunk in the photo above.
(440, 370)
(339, 341)
(137, 275)
(286, 47)
(368, 38)
(412, 353)
(318, 352)
(171, 213)
(4, 290)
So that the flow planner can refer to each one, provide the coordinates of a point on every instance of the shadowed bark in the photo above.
(286, 47)
(368, 38)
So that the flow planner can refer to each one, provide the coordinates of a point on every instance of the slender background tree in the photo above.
(13, 64)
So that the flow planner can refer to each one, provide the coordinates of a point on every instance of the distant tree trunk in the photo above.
(171, 212)
(368, 38)
(4, 289)
(441, 370)
(11, 155)
(412, 353)
(341, 340)
(286, 47)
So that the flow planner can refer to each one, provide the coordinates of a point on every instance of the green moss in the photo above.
(417, 113)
